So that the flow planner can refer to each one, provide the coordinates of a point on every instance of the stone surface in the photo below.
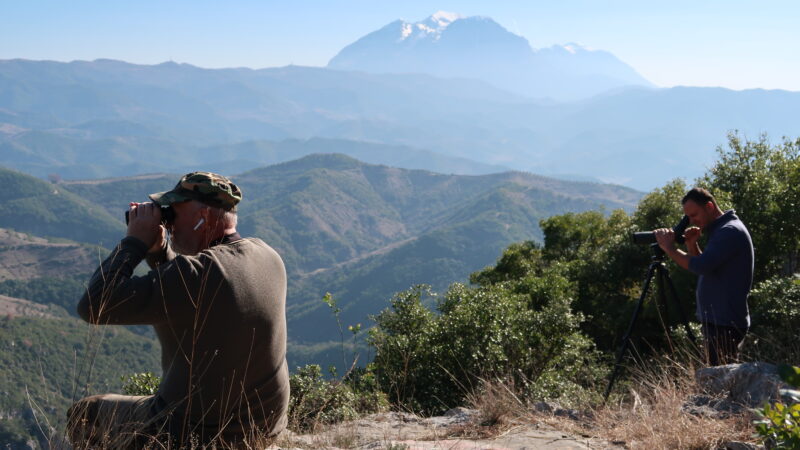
(733, 445)
(747, 384)
(734, 389)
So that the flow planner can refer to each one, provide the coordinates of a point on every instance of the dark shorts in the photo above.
(722, 343)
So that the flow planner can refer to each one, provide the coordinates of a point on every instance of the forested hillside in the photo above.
(31, 205)
(363, 232)
(359, 231)
(46, 363)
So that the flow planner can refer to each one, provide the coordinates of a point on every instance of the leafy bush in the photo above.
(317, 401)
(143, 383)
(779, 425)
(523, 329)
(775, 314)
(760, 180)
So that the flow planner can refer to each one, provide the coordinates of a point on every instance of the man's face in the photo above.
(699, 215)
(185, 239)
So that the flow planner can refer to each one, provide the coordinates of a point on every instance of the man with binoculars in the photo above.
(725, 268)
(217, 304)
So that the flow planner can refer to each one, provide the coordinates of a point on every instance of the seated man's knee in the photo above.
(82, 418)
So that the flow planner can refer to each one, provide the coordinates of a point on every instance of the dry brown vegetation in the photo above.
(650, 416)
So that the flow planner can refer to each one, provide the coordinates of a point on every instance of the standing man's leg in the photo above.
(722, 343)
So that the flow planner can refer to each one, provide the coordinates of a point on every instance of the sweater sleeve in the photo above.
(162, 256)
(723, 245)
(115, 296)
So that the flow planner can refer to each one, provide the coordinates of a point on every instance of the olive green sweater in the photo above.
(220, 317)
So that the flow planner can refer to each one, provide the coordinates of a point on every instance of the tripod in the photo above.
(658, 269)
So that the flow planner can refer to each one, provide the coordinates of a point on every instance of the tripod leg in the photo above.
(682, 315)
(661, 304)
(627, 337)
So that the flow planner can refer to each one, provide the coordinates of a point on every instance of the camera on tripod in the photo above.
(649, 237)
(658, 271)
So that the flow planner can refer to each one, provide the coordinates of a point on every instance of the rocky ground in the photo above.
(721, 393)
(457, 429)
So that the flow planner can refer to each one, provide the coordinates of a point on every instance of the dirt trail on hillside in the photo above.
(16, 307)
(380, 251)
(23, 257)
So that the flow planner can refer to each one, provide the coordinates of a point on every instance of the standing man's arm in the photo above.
(692, 235)
(666, 240)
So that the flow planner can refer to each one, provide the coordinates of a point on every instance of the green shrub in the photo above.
(144, 383)
(317, 401)
(779, 425)
(775, 313)
(523, 330)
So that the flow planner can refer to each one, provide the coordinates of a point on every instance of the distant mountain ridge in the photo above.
(450, 45)
(110, 118)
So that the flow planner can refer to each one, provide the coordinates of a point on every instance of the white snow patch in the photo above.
(573, 48)
(425, 29)
(444, 18)
(406, 31)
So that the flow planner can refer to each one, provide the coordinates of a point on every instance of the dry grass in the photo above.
(654, 419)
(649, 417)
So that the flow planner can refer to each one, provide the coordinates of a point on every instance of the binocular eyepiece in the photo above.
(649, 237)
(167, 216)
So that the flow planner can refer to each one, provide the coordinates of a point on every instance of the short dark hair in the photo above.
(700, 196)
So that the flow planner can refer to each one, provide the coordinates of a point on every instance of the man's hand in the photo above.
(692, 235)
(145, 225)
(666, 239)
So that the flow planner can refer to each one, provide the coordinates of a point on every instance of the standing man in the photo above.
(725, 269)
(218, 309)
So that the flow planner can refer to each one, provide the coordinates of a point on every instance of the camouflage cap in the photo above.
(210, 188)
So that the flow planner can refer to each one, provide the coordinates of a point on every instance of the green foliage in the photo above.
(779, 423)
(143, 383)
(761, 181)
(523, 329)
(595, 252)
(775, 315)
(316, 401)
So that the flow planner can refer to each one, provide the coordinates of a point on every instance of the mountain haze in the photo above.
(449, 45)
(109, 118)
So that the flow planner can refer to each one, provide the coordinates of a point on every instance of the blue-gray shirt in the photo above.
(726, 273)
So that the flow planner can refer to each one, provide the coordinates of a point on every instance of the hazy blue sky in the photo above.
(736, 44)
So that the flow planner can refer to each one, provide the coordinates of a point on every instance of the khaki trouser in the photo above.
(112, 421)
(116, 421)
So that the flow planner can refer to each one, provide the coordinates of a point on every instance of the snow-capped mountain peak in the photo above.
(430, 28)
(450, 45)
(441, 19)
